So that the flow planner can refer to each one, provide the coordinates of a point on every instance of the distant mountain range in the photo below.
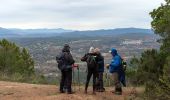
(12, 32)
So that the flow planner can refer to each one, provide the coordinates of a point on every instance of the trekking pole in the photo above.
(73, 79)
(107, 78)
(107, 75)
(74, 66)
(78, 78)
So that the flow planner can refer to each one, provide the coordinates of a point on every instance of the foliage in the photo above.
(15, 60)
(161, 24)
(154, 66)
(153, 72)
(16, 64)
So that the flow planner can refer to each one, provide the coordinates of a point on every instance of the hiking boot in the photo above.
(101, 90)
(61, 91)
(97, 90)
(118, 93)
(70, 92)
(85, 90)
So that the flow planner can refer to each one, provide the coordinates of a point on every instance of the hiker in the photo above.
(100, 70)
(116, 70)
(65, 62)
(90, 58)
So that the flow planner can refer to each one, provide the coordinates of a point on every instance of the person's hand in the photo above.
(75, 65)
(107, 66)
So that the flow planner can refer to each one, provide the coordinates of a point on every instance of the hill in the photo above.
(7, 33)
(69, 33)
(23, 91)
(109, 32)
(13, 32)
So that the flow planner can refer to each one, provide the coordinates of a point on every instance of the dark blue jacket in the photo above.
(100, 62)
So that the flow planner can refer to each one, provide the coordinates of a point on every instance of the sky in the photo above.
(76, 14)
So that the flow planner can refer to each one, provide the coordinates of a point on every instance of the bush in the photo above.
(153, 72)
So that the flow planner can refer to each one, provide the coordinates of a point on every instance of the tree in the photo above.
(161, 25)
(28, 66)
(13, 59)
(154, 66)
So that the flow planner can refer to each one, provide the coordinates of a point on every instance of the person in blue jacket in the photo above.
(116, 70)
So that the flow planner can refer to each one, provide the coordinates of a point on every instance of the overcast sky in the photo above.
(76, 14)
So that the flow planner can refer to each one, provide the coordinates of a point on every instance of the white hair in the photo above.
(91, 50)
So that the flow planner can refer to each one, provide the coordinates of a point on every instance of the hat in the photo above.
(113, 51)
(66, 48)
(66, 45)
(91, 50)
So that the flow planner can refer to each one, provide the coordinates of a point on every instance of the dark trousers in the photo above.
(66, 80)
(90, 73)
(100, 81)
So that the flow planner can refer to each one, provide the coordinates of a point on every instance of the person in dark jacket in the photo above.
(122, 73)
(116, 69)
(100, 70)
(90, 58)
(65, 62)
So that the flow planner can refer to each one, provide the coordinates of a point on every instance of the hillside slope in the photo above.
(24, 91)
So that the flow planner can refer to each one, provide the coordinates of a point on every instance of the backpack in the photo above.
(91, 61)
(60, 61)
(64, 61)
(124, 65)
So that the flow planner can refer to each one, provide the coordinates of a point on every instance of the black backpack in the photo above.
(60, 61)
(124, 65)
(65, 61)
(91, 61)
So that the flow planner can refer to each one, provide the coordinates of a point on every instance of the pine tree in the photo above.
(14, 59)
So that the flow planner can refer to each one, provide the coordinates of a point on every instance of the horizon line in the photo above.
(75, 29)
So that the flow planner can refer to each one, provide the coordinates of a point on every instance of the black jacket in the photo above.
(65, 60)
(85, 57)
(100, 62)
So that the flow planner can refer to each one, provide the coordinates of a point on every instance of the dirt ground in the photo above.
(24, 91)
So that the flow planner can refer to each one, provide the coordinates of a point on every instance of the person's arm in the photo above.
(72, 61)
(114, 64)
(84, 58)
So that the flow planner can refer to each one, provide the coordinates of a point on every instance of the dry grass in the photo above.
(23, 91)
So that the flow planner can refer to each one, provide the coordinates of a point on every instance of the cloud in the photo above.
(76, 14)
